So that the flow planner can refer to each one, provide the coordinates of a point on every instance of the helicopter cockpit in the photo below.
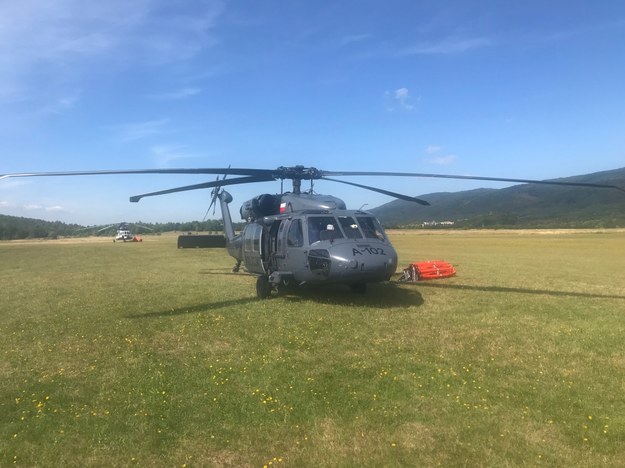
(342, 246)
(327, 227)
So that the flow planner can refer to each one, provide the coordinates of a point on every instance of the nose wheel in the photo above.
(263, 288)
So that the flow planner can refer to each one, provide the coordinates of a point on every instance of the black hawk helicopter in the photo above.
(299, 237)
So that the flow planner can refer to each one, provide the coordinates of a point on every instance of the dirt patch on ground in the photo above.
(90, 239)
(450, 232)
(67, 240)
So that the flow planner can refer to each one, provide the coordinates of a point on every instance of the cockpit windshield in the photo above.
(323, 228)
(350, 228)
(371, 227)
(330, 228)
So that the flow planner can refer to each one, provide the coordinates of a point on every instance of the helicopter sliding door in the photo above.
(291, 252)
(253, 248)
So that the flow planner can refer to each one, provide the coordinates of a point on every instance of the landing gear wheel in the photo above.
(359, 288)
(263, 288)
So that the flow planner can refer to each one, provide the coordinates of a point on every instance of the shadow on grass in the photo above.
(378, 295)
(207, 307)
(502, 289)
(381, 295)
(223, 272)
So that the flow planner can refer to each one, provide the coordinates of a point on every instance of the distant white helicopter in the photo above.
(123, 233)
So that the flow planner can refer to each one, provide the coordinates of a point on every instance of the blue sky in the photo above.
(528, 89)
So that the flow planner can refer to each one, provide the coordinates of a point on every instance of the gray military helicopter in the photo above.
(296, 237)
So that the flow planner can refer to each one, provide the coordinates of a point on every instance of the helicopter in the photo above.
(124, 233)
(301, 237)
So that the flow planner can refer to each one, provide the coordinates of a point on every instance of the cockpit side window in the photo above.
(323, 228)
(295, 237)
(371, 228)
(350, 228)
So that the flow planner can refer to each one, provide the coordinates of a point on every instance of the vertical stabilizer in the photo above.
(224, 199)
(234, 244)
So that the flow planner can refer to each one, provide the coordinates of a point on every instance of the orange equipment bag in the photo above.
(432, 269)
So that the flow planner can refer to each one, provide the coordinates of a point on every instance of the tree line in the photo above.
(15, 228)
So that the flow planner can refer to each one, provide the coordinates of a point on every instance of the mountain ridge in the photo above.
(523, 205)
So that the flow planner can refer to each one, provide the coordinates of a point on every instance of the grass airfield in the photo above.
(121, 354)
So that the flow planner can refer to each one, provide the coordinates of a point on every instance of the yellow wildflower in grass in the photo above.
(274, 460)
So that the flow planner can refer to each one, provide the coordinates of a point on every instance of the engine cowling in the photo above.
(260, 206)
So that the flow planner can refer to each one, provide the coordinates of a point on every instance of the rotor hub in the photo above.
(298, 173)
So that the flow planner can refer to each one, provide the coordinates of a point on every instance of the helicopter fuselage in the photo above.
(314, 246)
(123, 235)
(329, 247)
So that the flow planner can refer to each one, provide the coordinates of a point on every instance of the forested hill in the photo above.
(520, 206)
(13, 228)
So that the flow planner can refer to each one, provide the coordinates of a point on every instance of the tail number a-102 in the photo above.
(368, 250)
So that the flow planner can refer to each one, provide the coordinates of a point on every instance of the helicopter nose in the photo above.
(372, 267)
(348, 264)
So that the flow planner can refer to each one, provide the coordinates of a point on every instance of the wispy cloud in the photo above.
(587, 29)
(56, 209)
(47, 209)
(446, 160)
(64, 39)
(139, 130)
(176, 95)
(11, 183)
(399, 99)
(436, 157)
(346, 40)
(62, 103)
(163, 155)
(402, 96)
(19, 208)
(32, 30)
(447, 46)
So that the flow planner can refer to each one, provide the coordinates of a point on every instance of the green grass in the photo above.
(123, 354)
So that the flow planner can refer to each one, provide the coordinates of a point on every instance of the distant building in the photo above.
(437, 223)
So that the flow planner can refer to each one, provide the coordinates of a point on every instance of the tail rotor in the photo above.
(215, 195)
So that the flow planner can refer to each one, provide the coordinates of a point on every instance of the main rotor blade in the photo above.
(467, 177)
(239, 171)
(301, 172)
(105, 228)
(217, 183)
(379, 190)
